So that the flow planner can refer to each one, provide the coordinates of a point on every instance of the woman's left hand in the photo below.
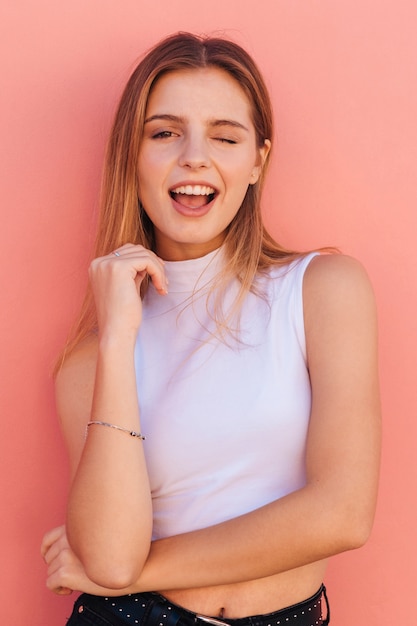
(65, 571)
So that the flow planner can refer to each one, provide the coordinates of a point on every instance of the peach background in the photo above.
(343, 76)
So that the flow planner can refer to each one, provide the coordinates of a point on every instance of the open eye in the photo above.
(164, 134)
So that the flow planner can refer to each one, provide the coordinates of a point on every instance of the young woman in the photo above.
(250, 369)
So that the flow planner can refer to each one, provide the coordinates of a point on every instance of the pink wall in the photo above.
(344, 80)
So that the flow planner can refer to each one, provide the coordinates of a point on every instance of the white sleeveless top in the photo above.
(225, 423)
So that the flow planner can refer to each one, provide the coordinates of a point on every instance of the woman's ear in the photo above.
(260, 162)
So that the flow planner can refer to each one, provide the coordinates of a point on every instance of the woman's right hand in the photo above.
(116, 279)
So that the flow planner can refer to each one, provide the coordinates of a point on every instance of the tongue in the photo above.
(191, 202)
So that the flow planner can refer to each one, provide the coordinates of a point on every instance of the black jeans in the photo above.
(152, 609)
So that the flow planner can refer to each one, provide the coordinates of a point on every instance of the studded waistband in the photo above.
(152, 609)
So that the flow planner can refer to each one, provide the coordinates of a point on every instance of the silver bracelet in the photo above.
(132, 433)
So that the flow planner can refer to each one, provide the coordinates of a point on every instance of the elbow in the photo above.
(353, 528)
(360, 532)
(112, 573)
(353, 538)
(113, 576)
(345, 516)
(111, 566)
(109, 562)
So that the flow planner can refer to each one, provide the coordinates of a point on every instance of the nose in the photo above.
(195, 152)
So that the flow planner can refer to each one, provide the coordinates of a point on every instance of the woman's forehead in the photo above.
(207, 91)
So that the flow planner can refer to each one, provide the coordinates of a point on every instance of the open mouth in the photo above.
(193, 196)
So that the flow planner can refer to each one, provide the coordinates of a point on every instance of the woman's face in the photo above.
(197, 157)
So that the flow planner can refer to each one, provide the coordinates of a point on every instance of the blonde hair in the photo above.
(249, 248)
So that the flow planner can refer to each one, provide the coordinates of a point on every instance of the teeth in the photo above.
(194, 190)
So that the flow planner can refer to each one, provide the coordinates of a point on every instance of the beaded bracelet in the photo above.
(132, 433)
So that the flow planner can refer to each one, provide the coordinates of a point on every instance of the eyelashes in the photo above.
(168, 134)
(225, 140)
(164, 134)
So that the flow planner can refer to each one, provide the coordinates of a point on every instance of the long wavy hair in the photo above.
(249, 248)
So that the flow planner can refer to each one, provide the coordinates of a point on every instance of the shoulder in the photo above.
(328, 264)
(74, 388)
(335, 276)
(319, 278)
(338, 299)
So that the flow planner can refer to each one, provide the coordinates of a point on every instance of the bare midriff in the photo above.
(265, 595)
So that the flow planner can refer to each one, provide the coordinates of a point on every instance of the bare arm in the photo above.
(109, 519)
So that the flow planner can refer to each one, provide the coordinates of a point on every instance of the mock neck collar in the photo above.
(185, 276)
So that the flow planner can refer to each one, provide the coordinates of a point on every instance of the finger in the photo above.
(131, 252)
(142, 261)
(51, 537)
(146, 262)
(63, 591)
(57, 579)
(53, 567)
(54, 550)
(123, 251)
(53, 583)
(159, 280)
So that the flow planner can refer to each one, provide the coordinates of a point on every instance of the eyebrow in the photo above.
(181, 120)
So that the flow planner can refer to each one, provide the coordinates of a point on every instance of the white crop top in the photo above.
(225, 425)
